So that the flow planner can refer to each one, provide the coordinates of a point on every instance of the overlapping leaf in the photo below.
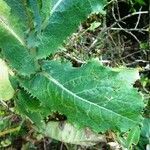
(90, 96)
(133, 137)
(65, 17)
(31, 108)
(12, 42)
(69, 134)
(146, 128)
(36, 13)
(6, 90)
(20, 10)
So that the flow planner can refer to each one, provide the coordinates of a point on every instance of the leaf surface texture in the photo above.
(91, 96)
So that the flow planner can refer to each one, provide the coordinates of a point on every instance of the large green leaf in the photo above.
(90, 96)
(66, 15)
(12, 42)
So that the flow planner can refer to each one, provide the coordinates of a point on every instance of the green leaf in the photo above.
(4, 123)
(45, 10)
(36, 14)
(145, 131)
(20, 10)
(145, 135)
(91, 96)
(133, 137)
(13, 45)
(4, 9)
(67, 133)
(6, 90)
(31, 108)
(16, 54)
(65, 18)
(62, 131)
(142, 2)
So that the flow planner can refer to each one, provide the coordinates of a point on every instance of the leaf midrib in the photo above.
(49, 77)
(56, 6)
(10, 30)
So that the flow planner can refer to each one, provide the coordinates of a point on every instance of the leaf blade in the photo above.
(65, 18)
(68, 133)
(133, 137)
(13, 45)
(94, 109)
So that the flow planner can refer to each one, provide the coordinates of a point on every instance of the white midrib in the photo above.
(59, 2)
(56, 6)
(10, 30)
(82, 99)
(46, 21)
